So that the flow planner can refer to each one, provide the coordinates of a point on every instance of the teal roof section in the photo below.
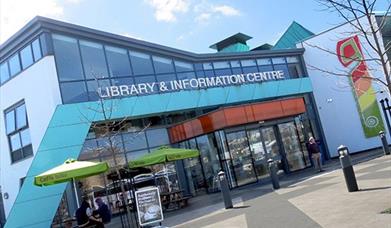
(295, 33)
(70, 124)
(238, 47)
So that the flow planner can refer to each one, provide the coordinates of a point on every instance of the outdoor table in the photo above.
(174, 198)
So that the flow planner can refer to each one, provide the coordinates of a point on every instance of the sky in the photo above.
(191, 25)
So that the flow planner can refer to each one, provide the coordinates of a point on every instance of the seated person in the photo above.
(84, 216)
(103, 211)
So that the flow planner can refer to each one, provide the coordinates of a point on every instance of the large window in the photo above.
(141, 63)
(14, 64)
(68, 58)
(26, 56)
(4, 73)
(118, 61)
(18, 133)
(93, 60)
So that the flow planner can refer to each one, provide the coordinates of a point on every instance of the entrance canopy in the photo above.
(162, 155)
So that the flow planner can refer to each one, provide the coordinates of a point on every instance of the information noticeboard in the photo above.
(149, 207)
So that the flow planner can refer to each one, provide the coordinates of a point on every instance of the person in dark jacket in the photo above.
(103, 211)
(314, 151)
(84, 216)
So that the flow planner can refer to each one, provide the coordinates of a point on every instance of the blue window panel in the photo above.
(16, 144)
(21, 116)
(265, 68)
(134, 141)
(247, 70)
(209, 73)
(67, 57)
(36, 49)
(135, 154)
(14, 64)
(279, 60)
(237, 71)
(97, 86)
(157, 137)
(4, 73)
(235, 63)
(162, 65)
(10, 122)
(94, 62)
(248, 63)
(26, 56)
(183, 66)
(89, 150)
(118, 61)
(141, 63)
(73, 92)
(198, 66)
(122, 81)
(292, 59)
(25, 137)
(221, 65)
(207, 66)
(295, 71)
(187, 75)
(223, 72)
(166, 78)
(284, 69)
(264, 61)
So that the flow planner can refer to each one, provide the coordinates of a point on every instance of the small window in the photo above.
(183, 66)
(248, 63)
(36, 50)
(292, 59)
(18, 132)
(235, 63)
(262, 62)
(141, 63)
(4, 73)
(26, 56)
(221, 65)
(74, 92)
(280, 60)
(162, 65)
(14, 64)
(207, 66)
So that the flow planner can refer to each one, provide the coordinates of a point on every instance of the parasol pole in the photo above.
(76, 195)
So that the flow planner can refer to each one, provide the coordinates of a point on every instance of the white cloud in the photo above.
(206, 11)
(165, 10)
(14, 14)
(226, 10)
(131, 36)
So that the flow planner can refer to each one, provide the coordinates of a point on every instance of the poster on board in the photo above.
(149, 207)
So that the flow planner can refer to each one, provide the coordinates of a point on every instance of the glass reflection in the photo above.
(291, 143)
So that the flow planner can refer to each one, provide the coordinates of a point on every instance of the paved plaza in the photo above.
(306, 199)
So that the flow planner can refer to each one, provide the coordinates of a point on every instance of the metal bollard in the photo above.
(347, 168)
(273, 174)
(225, 190)
(383, 138)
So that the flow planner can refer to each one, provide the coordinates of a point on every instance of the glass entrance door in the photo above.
(271, 145)
(292, 147)
(260, 156)
(241, 157)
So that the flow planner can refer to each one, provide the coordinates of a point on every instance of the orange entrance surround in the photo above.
(236, 115)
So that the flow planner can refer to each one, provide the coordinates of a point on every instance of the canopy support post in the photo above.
(76, 195)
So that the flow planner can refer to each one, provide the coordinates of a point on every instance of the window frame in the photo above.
(17, 131)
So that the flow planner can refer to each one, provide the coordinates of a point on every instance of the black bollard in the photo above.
(347, 168)
(383, 138)
(225, 190)
(273, 174)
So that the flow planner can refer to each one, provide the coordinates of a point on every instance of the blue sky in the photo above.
(185, 24)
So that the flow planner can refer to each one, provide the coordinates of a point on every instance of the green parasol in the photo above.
(69, 171)
(162, 155)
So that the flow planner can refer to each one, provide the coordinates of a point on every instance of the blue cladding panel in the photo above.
(70, 124)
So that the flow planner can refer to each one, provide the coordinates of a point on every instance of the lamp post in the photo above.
(347, 168)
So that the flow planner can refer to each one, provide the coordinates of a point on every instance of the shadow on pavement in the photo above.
(374, 189)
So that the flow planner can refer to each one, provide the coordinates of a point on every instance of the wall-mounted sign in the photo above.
(350, 55)
(149, 207)
(186, 84)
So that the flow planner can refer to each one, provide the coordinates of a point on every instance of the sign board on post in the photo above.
(149, 207)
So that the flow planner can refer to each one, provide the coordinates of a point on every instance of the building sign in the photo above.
(350, 55)
(149, 207)
(186, 84)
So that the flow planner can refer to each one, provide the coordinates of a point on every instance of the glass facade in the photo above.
(85, 61)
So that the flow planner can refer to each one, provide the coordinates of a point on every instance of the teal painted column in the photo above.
(68, 128)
